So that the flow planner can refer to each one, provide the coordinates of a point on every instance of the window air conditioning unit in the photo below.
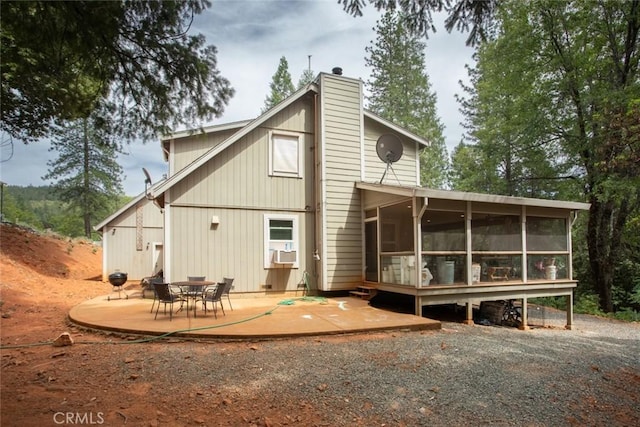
(286, 257)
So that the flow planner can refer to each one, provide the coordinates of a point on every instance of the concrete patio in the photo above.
(251, 318)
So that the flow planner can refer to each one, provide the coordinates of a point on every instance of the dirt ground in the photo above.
(41, 278)
(96, 382)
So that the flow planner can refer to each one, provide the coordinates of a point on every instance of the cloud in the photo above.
(251, 36)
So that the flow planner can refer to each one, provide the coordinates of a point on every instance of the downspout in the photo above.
(166, 249)
(317, 260)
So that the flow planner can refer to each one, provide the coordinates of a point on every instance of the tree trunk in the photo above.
(86, 214)
(604, 233)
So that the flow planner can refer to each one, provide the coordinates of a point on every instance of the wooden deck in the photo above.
(463, 294)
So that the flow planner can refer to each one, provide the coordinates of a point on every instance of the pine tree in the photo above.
(401, 92)
(555, 99)
(89, 178)
(307, 76)
(281, 85)
(61, 60)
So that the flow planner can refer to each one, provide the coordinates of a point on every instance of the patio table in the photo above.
(191, 290)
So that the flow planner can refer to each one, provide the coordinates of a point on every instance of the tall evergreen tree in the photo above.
(474, 16)
(571, 92)
(504, 121)
(61, 60)
(281, 85)
(87, 173)
(307, 77)
(401, 92)
(473, 170)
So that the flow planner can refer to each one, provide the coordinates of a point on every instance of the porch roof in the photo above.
(467, 196)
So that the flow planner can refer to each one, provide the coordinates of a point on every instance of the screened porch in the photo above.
(447, 247)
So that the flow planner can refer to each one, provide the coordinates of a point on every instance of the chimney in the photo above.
(337, 71)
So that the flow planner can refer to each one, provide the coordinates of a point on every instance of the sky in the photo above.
(251, 36)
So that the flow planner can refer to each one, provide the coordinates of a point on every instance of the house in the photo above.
(132, 240)
(305, 192)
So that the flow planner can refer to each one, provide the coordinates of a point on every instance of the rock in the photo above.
(63, 340)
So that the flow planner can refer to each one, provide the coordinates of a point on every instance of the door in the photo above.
(157, 258)
(371, 250)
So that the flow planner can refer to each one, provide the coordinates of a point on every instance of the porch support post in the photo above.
(569, 312)
(525, 322)
(417, 241)
(467, 226)
(418, 305)
(469, 316)
(523, 226)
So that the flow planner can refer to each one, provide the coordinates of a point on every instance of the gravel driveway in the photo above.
(461, 375)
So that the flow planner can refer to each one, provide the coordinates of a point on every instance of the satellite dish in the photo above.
(389, 149)
(147, 176)
(147, 183)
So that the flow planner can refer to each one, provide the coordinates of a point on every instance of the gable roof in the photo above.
(402, 131)
(208, 155)
(251, 125)
(164, 141)
(123, 209)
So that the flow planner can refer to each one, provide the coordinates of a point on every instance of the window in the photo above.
(443, 231)
(285, 157)
(546, 234)
(496, 232)
(281, 241)
(547, 248)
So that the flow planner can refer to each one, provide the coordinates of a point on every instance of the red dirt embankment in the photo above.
(41, 277)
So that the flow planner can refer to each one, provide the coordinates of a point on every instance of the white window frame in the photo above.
(278, 166)
(269, 245)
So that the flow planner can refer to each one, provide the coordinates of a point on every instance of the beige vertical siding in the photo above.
(120, 241)
(405, 168)
(236, 187)
(342, 137)
(186, 150)
(233, 248)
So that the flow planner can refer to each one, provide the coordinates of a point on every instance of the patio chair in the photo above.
(152, 282)
(228, 284)
(166, 296)
(214, 296)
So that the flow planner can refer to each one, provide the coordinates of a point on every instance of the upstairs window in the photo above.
(285, 154)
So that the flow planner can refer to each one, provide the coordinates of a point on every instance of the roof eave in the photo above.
(472, 197)
(420, 140)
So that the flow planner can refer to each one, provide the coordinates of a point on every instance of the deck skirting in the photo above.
(474, 294)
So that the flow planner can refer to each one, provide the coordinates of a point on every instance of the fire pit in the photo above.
(117, 280)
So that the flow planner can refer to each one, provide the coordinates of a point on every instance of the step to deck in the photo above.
(364, 292)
